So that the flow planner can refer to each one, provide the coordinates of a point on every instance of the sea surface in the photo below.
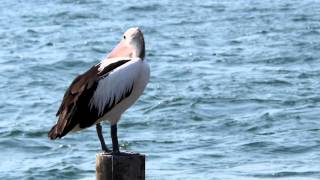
(234, 91)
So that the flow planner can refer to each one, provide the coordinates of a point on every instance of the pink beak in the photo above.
(121, 50)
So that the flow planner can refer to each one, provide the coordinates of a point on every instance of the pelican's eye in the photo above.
(124, 37)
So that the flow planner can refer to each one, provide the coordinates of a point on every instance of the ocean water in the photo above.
(234, 90)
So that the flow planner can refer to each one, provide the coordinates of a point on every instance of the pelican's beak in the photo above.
(121, 50)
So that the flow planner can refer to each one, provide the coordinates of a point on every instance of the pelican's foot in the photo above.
(116, 153)
(106, 151)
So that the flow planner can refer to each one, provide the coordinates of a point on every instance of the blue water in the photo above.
(234, 89)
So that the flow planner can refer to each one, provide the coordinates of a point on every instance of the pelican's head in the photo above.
(131, 45)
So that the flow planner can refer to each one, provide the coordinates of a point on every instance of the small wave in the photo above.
(166, 103)
(214, 7)
(258, 9)
(281, 60)
(293, 149)
(25, 134)
(70, 64)
(287, 174)
(310, 33)
(98, 50)
(84, 16)
(144, 8)
(78, 1)
(76, 15)
(275, 82)
(28, 145)
(69, 172)
(301, 18)
(258, 144)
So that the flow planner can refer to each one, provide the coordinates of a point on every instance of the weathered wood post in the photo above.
(126, 166)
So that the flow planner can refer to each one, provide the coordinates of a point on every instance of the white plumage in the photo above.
(133, 74)
(141, 70)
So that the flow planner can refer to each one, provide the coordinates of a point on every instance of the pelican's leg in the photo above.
(114, 137)
(99, 132)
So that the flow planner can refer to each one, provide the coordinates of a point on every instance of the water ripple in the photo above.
(234, 89)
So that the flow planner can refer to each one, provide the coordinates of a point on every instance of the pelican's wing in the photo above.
(81, 103)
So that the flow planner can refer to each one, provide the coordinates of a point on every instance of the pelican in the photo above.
(105, 91)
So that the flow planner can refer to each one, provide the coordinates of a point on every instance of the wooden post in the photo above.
(126, 166)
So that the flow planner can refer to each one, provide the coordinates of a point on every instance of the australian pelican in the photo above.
(105, 91)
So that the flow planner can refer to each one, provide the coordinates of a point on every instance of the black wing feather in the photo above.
(74, 108)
